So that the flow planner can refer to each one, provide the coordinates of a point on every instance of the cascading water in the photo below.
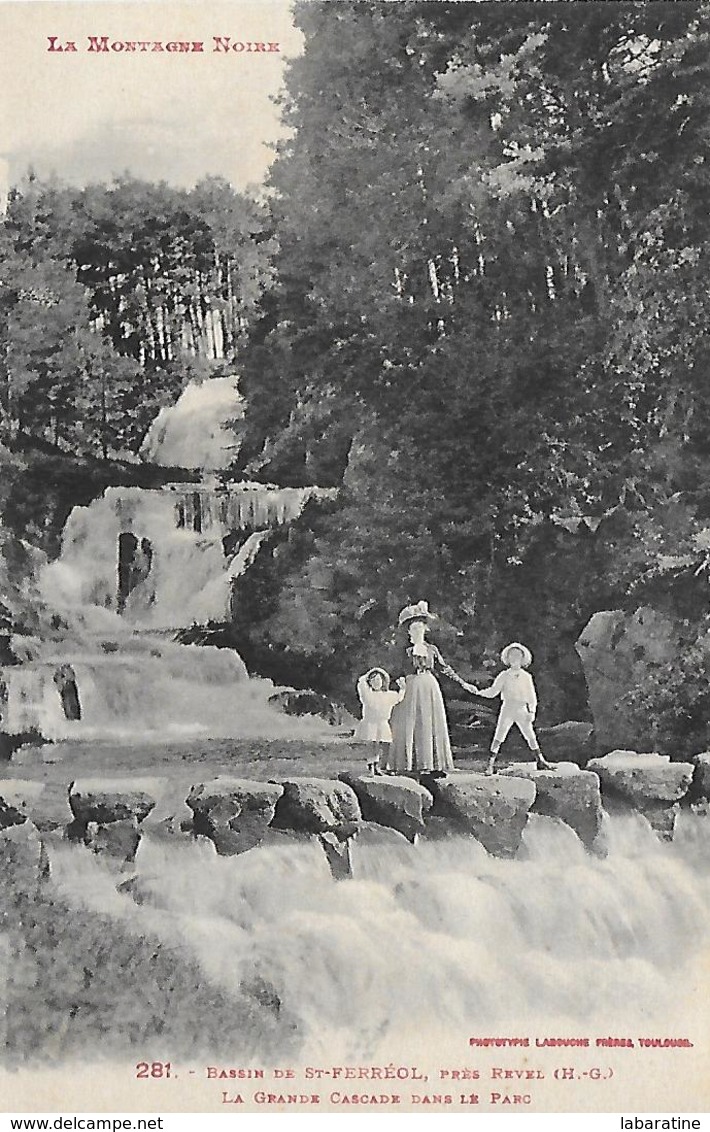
(195, 432)
(146, 689)
(437, 939)
(426, 945)
(158, 556)
(137, 565)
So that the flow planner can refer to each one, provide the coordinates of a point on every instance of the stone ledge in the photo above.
(391, 800)
(493, 808)
(567, 793)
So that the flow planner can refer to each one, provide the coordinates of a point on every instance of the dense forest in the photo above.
(112, 298)
(488, 323)
(473, 297)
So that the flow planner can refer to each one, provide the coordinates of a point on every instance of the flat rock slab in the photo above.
(493, 808)
(103, 800)
(568, 793)
(391, 800)
(316, 805)
(643, 778)
(234, 813)
(650, 783)
(20, 792)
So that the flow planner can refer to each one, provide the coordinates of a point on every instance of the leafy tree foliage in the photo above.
(487, 321)
(114, 296)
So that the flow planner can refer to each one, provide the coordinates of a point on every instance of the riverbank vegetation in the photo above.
(488, 325)
(76, 980)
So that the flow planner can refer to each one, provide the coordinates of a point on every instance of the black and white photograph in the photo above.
(355, 556)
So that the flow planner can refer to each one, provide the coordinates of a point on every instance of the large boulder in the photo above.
(567, 793)
(650, 783)
(116, 840)
(618, 651)
(295, 702)
(327, 809)
(105, 800)
(234, 813)
(570, 742)
(316, 805)
(24, 865)
(391, 800)
(699, 790)
(494, 808)
(108, 812)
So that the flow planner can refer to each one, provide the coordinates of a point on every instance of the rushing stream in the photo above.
(146, 686)
(437, 937)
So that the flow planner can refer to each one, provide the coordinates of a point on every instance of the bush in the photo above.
(673, 704)
(81, 984)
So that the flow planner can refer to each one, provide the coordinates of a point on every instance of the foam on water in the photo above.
(149, 687)
(195, 431)
(436, 937)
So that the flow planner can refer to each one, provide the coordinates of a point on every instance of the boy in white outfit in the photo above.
(518, 702)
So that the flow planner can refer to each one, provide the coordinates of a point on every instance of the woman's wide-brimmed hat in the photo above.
(418, 612)
(383, 673)
(527, 655)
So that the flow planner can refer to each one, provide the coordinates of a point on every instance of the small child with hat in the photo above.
(377, 701)
(518, 702)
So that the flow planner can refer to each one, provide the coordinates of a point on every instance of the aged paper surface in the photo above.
(451, 982)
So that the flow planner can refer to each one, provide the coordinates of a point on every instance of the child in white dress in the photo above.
(518, 702)
(377, 701)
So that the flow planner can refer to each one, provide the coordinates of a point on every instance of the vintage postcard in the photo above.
(354, 557)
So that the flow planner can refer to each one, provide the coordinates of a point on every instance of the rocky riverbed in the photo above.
(238, 797)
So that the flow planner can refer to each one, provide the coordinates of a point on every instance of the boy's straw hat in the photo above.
(527, 655)
(417, 612)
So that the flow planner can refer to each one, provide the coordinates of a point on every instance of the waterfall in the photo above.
(196, 431)
(141, 687)
(135, 566)
(438, 939)
(158, 556)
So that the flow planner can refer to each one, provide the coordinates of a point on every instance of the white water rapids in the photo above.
(188, 577)
(435, 939)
